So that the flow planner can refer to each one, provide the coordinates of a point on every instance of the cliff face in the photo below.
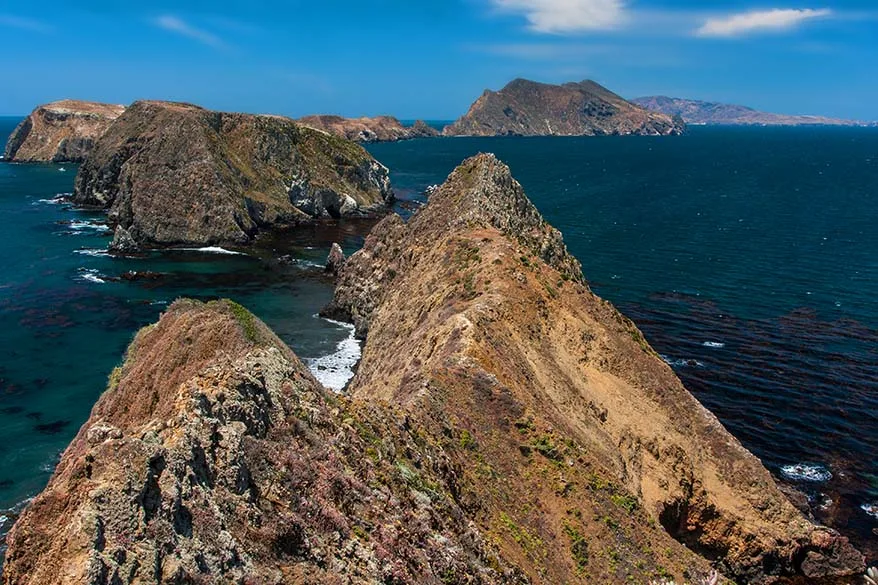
(378, 129)
(527, 108)
(505, 426)
(62, 131)
(700, 112)
(178, 174)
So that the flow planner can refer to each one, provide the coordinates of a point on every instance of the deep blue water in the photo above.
(749, 257)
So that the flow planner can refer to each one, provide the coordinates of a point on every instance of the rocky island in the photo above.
(505, 425)
(172, 173)
(713, 113)
(528, 108)
(378, 129)
(62, 131)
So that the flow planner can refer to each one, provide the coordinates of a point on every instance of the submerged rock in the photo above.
(122, 242)
(528, 108)
(173, 174)
(62, 131)
(378, 129)
(335, 260)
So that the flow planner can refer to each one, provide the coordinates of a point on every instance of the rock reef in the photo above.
(528, 108)
(171, 173)
(62, 131)
(378, 129)
(505, 425)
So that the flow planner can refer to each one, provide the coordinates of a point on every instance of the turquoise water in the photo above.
(749, 257)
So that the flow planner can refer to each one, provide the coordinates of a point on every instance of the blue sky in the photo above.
(432, 58)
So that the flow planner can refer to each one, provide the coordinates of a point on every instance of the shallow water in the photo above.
(748, 257)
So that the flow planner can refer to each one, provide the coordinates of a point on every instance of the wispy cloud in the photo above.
(23, 23)
(758, 21)
(181, 27)
(566, 16)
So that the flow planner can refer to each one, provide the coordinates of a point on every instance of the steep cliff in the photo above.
(378, 129)
(62, 131)
(174, 173)
(528, 108)
(505, 426)
(713, 113)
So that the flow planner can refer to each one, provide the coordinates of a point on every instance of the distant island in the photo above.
(714, 113)
(365, 129)
(586, 108)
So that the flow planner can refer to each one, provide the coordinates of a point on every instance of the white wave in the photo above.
(336, 369)
(681, 363)
(56, 200)
(62, 170)
(96, 252)
(79, 225)
(714, 344)
(212, 250)
(806, 472)
(870, 509)
(90, 275)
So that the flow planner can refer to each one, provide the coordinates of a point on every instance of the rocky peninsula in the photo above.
(505, 425)
(378, 129)
(172, 174)
(62, 131)
(528, 108)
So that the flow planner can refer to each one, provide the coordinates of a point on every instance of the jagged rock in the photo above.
(475, 312)
(122, 242)
(528, 108)
(378, 129)
(62, 131)
(335, 260)
(174, 173)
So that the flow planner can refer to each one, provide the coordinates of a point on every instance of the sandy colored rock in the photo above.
(62, 131)
(528, 108)
(378, 129)
(172, 173)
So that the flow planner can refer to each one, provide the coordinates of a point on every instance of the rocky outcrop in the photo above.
(172, 173)
(378, 129)
(475, 312)
(335, 260)
(528, 108)
(505, 426)
(713, 113)
(62, 131)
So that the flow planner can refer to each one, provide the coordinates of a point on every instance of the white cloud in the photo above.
(22, 23)
(181, 27)
(567, 16)
(735, 25)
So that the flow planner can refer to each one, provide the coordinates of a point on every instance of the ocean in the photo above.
(748, 257)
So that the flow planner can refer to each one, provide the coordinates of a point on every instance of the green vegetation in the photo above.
(467, 441)
(578, 546)
(625, 501)
(546, 447)
(531, 543)
(245, 319)
(114, 378)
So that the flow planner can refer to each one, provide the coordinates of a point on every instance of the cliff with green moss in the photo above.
(171, 173)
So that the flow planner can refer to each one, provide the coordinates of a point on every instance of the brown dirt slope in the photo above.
(378, 129)
(62, 131)
(174, 173)
(477, 321)
(528, 108)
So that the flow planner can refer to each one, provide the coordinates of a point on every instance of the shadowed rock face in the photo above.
(528, 108)
(62, 131)
(379, 129)
(505, 426)
(178, 174)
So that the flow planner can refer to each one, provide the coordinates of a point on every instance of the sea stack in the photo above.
(172, 173)
(378, 129)
(62, 131)
(528, 108)
(505, 426)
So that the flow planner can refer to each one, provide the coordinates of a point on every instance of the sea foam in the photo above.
(212, 250)
(714, 344)
(90, 275)
(336, 369)
(806, 472)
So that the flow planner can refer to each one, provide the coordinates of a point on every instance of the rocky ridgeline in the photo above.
(505, 426)
(378, 129)
(713, 113)
(528, 108)
(171, 173)
(62, 131)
